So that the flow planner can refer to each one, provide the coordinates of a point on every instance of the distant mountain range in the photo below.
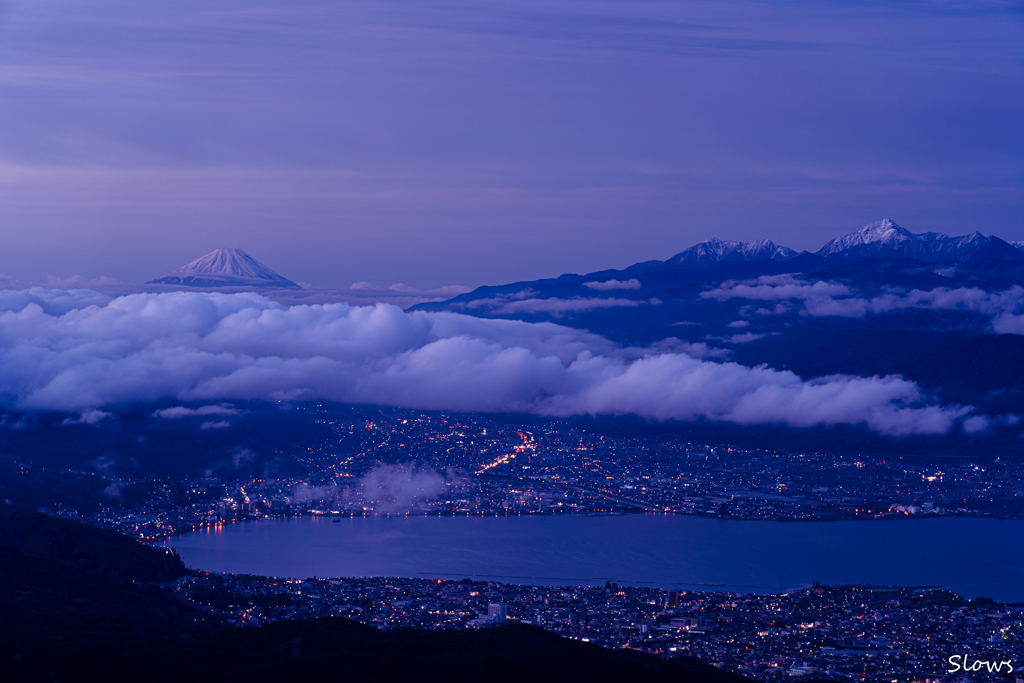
(715, 250)
(945, 311)
(883, 239)
(226, 268)
(881, 252)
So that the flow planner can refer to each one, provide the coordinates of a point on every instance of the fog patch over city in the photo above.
(388, 488)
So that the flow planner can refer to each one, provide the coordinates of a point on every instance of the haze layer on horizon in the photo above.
(479, 143)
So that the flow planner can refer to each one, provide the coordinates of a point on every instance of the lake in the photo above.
(970, 556)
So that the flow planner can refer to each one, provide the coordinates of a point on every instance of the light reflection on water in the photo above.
(970, 556)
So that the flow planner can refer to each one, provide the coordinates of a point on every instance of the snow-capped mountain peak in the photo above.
(231, 262)
(715, 250)
(764, 250)
(885, 239)
(225, 268)
(883, 232)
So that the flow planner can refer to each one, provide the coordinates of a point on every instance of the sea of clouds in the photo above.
(79, 351)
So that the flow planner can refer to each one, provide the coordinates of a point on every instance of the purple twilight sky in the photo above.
(484, 142)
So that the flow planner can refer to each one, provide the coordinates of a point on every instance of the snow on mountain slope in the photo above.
(715, 250)
(225, 268)
(885, 239)
(879, 235)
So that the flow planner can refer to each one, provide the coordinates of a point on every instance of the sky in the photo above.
(469, 143)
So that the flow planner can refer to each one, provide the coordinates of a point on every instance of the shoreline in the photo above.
(151, 540)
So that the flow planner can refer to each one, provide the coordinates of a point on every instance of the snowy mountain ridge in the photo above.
(886, 239)
(715, 250)
(882, 239)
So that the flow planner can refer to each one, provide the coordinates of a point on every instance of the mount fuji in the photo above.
(226, 268)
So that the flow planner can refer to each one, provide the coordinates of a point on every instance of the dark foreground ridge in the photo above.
(82, 604)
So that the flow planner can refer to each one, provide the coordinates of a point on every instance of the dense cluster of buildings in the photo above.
(484, 467)
(436, 464)
(838, 632)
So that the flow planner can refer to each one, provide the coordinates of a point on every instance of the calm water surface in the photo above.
(970, 556)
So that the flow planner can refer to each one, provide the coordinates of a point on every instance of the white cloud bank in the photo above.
(61, 355)
(826, 298)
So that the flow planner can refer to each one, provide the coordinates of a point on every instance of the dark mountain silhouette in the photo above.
(84, 604)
